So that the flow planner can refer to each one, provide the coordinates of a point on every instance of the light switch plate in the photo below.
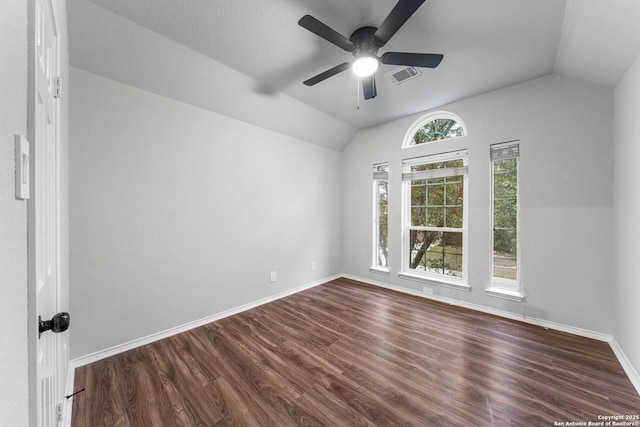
(22, 167)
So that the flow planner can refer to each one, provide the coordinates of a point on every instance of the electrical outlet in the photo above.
(426, 290)
(313, 266)
(274, 276)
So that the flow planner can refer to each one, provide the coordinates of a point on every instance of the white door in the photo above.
(43, 209)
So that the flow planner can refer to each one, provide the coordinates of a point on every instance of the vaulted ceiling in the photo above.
(248, 58)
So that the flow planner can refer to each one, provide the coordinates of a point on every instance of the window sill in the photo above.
(435, 282)
(379, 270)
(505, 294)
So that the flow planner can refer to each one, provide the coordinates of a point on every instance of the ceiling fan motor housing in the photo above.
(365, 42)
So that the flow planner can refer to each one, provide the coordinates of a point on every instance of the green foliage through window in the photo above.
(436, 130)
(505, 213)
(381, 207)
(437, 202)
(435, 222)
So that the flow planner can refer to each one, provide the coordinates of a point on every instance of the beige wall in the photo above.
(565, 129)
(627, 209)
(178, 213)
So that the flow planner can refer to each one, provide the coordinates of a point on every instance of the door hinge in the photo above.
(60, 412)
(57, 89)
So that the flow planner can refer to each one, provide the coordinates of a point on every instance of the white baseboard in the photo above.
(626, 365)
(506, 314)
(121, 348)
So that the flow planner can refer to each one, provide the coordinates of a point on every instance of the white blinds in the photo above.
(505, 150)
(409, 172)
(381, 171)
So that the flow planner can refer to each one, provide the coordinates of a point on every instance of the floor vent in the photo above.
(402, 74)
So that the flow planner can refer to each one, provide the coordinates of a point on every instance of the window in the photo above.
(435, 218)
(380, 215)
(504, 217)
(435, 127)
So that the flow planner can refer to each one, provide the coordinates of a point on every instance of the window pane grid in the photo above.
(437, 252)
(436, 130)
(435, 222)
(437, 202)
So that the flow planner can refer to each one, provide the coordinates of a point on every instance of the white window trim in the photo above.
(505, 294)
(379, 270)
(498, 287)
(429, 117)
(431, 279)
(428, 277)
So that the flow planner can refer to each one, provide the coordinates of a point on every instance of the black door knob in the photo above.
(58, 323)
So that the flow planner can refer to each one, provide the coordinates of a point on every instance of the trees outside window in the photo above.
(504, 217)
(436, 130)
(435, 216)
(380, 216)
(435, 126)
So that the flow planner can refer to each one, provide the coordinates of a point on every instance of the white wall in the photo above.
(178, 213)
(627, 212)
(14, 393)
(60, 8)
(150, 61)
(565, 129)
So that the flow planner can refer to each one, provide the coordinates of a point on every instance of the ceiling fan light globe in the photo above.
(365, 66)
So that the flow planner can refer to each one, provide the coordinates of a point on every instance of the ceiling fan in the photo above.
(364, 44)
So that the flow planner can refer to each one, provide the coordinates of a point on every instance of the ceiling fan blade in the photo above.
(425, 60)
(325, 75)
(327, 33)
(400, 14)
(369, 87)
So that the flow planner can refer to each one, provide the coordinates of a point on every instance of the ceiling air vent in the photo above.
(402, 74)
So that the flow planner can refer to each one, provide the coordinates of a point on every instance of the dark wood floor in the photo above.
(349, 354)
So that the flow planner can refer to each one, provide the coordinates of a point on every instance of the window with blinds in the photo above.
(380, 217)
(435, 217)
(504, 215)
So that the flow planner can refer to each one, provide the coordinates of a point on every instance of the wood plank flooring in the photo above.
(349, 354)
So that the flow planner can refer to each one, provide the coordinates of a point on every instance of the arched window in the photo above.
(435, 127)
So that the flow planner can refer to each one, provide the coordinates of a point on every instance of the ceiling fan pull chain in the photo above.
(358, 94)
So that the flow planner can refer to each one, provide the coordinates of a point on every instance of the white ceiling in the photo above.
(247, 58)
